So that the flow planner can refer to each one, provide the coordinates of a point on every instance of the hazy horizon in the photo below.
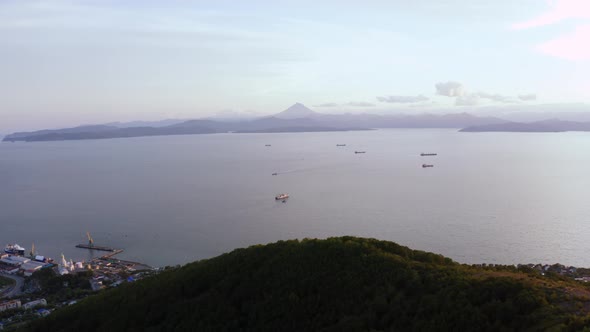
(579, 112)
(68, 63)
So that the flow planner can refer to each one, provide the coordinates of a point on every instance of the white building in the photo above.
(14, 260)
(14, 304)
(10, 262)
(31, 267)
(39, 258)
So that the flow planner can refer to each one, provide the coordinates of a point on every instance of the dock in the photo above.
(109, 255)
(93, 247)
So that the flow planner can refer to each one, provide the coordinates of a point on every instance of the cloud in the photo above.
(402, 99)
(463, 98)
(527, 97)
(449, 89)
(326, 105)
(360, 104)
(472, 99)
(496, 97)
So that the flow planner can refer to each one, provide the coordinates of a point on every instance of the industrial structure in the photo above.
(91, 245)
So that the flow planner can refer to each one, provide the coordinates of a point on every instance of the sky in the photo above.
(65, 63)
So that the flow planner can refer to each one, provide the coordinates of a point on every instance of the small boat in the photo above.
(340, 144)
(281, 197)
(427, 154)
(267, 145)
(14, 249)
(275, 173)
(360, 152)
(426, 165)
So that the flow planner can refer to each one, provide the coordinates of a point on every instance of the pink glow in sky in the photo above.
(560, 10)
(574, 45)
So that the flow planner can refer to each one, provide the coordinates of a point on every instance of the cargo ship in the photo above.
(426, 165)
(14, 249)
(281, 197)
(340, 144)
(427, 154)
(360, 152)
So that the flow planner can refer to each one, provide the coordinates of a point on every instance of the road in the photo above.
(16, 289)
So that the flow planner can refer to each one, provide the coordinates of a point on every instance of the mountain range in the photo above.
(297, 118)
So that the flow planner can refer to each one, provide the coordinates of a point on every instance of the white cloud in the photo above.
(472, 99)
(450, 89)
(496, 97)
(402, 99)
(464, 98)
(527, 97)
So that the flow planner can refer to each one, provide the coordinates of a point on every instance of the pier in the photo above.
(113, 253)
(93, 247)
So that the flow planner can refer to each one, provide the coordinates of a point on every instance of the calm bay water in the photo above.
(491, 197)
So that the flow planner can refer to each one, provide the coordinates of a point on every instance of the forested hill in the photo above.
(338, 284)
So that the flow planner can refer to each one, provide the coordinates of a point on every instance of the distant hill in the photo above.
(30, 136)
(69, 134)
(577, 112)
(338, 284)
(296, 118)
(297, 111)
(552, 125)
(234, 116)
(155, 124)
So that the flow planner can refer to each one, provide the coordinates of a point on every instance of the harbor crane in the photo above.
(90, 240)
(91, 245)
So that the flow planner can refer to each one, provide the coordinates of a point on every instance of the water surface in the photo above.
(491, 197)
